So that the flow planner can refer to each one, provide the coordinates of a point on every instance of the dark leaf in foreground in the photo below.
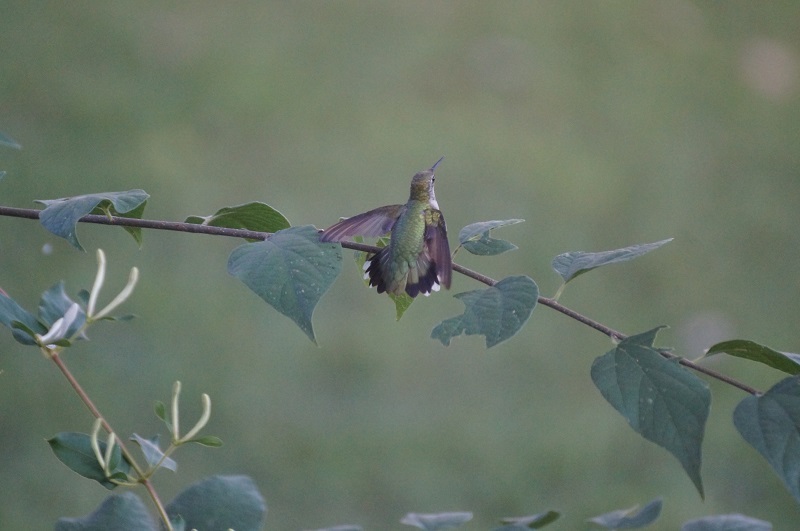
(660, 399)
(124, 511)
(221, 502)
(290, 270)
(770, 423)
(497, 312)
(61, 216)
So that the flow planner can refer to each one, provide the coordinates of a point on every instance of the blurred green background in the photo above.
(603, 124)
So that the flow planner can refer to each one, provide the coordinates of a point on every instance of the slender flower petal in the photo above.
(122, 297)
(112, 440)
(55, 333)
(98, 283)
(95, 443)
(176, 392)
(60, 327)
(206, 400)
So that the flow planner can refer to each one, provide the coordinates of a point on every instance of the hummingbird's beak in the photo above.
(437, 163)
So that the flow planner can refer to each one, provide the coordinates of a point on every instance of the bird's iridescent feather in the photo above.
(439, 249)
(376, 222)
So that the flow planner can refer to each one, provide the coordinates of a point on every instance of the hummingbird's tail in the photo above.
(420, 278)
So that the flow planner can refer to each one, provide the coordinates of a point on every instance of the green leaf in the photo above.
(726, 522)
(497, 312)
(75, 451)
(632, 518)
(207, 440)
(749, 350)
(83, 297)
(125, 511)
(136, 213)
(476, 237)
(571, 265)
(432, 522)
(121, 318)
(23, 334)
(11, 312)
(161, 412)
(401, 302)
(536, 521)
(54, 303)
(661, 400)
(346, 527)
(488, 246)
(254, 216)
(153, 454)
(61, 216)
(221, 502)
(475, 230)
(770, 423)
(7, 141)
(290, 270)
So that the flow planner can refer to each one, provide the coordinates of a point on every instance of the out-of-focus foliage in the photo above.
(598, 123)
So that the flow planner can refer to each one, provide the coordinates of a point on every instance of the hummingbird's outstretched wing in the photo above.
(376, 222)
(438, 249)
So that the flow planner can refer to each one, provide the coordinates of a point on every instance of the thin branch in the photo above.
(610, 332)
(254, 235)
(178, 226)
(143, 479)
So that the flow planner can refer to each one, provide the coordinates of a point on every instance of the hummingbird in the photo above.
(417, 258)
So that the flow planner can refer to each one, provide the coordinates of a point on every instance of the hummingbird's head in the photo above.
(422, 186)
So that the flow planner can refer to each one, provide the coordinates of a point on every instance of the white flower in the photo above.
(60, 327)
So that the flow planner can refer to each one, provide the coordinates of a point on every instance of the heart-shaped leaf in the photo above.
(571, 265)
(497, 312)
(770, 423)
(290, 270)
(221, 502)
(61, 216)
(661, 400)
(123, 511)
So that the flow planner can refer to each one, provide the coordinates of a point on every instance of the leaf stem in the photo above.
(30, 213)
